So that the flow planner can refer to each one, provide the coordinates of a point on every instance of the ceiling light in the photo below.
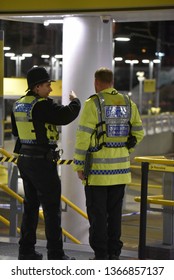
(145, 61)
(27, 55)
(6, 48)
(160, 54)
(122, 38)
(53, 21)
(134, 61)
(18, 57)
(118, 58)
(156, 61)
(9, 54)
(45, 56)
(59, 56)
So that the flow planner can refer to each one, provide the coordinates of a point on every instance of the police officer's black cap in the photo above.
(37, 75)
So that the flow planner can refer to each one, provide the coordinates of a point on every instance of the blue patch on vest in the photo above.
(117, 130)
(119, 111)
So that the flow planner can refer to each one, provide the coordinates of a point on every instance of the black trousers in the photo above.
(104, 209)
(42, 186)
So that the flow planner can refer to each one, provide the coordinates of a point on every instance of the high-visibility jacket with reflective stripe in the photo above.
(44, 133)
(111, 163)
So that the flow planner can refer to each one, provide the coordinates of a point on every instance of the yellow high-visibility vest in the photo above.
(110, 162)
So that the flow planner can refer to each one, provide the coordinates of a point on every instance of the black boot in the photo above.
(55, 256)
(30, 256)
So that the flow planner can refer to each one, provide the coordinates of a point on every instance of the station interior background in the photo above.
(148, 40)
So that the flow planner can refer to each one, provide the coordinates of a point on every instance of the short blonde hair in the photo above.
(104, 75)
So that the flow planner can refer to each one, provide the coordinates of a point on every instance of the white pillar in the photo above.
(87, 45)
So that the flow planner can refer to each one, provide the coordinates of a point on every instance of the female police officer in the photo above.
(34, 120)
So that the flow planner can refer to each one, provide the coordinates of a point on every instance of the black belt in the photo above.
(32, 156)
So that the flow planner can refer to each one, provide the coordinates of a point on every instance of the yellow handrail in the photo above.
(11, 193)
(156, 199)
(135, 166)
(155, 159)
(20, 199)
(5, 153)
(7, 129)
(77, 209)
(7, 223)
(72, 205)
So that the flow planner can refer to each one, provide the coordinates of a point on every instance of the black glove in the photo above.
(131, 142)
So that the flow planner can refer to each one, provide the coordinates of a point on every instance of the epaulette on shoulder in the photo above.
(93, 95)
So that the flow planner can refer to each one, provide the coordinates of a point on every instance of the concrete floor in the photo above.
(9, 250)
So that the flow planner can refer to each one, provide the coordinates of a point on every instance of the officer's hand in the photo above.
(80, 174)
(72, 95)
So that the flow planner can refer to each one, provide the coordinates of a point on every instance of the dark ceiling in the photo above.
(146, 39)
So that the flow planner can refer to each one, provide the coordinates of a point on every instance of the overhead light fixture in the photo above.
(152, 61)
(6, 48)
(140, 74)
(156, 61)
(45, 56)
(9, 54)
(118, 58)
(122, 38)
(58, 56)
(145, 61)
(160, 54)
(134, 61)
(53, 21)
(17, 57)
(27, 55)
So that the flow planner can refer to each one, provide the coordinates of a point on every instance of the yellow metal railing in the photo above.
(150, 163)
(20, 199)
(5, 153)
(7, 130)
(161, 160)
(156, 163)
(74, 207)
(156, 199)
(10, 158)
(7, 222)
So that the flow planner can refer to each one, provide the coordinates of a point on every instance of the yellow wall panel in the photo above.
(66, 5)
(1, 61)
(17, 87)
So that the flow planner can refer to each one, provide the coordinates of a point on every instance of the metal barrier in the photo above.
(154, 124)
(158, 200)
(166, 165)
(7, 222)
(20, 200)
(13, 181)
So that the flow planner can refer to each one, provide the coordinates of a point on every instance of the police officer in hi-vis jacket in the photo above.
(35, 118)
(109, 129)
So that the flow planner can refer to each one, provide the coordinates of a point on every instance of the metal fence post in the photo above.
(13, 184)
(143, 210)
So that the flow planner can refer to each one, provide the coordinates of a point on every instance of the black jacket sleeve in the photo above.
(13, 124)
(51, 112)
(15, 133)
